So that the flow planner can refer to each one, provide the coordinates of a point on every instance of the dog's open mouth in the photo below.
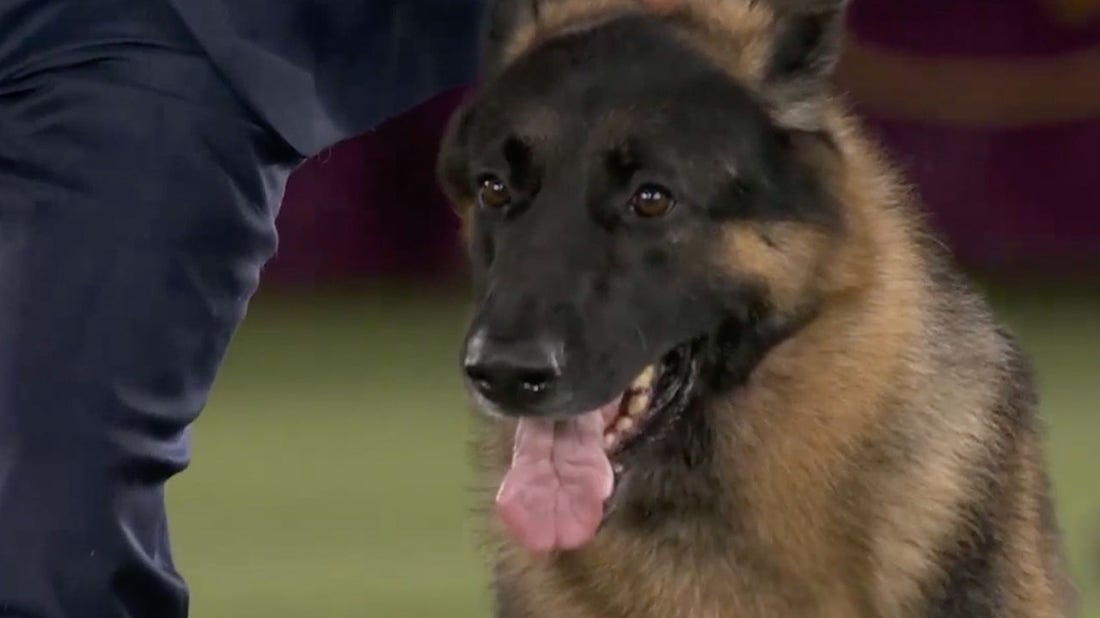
(642, 405)
(562, 471)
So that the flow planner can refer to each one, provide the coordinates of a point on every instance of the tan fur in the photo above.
(853, 445)
(735, 35)
(1037, 594)
(763, 253)
(559, 16)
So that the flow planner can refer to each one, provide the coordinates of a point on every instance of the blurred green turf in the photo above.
(330, 465)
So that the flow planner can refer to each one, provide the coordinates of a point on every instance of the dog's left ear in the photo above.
(802, 60)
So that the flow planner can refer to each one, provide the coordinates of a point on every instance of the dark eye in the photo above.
(652, 201)
(492, 193)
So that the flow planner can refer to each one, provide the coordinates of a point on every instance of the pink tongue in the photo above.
(553, 496)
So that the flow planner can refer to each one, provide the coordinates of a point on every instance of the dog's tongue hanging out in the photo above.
(553, 496)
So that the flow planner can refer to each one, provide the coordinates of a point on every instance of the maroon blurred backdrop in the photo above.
(1006, 197)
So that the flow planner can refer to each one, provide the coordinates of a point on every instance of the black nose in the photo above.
(514, 375)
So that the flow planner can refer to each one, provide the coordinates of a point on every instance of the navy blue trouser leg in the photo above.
(143, 153)
(136, 210)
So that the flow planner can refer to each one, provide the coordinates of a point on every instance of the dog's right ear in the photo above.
(452, 164)
(503, 20)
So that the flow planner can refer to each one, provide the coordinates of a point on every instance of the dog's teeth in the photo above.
(637, 405)
(618, 468)
(644, 379)
(624, 424)
(609, 440)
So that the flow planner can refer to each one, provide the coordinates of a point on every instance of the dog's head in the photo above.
(634, 185)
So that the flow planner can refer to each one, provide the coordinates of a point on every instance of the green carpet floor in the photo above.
(330, 476)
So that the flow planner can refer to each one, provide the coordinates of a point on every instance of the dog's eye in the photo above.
(492, 192)
(652, 201)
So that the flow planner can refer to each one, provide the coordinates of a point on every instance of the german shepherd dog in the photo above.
(728, 370)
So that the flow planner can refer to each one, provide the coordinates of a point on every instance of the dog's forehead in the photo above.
(568, 132)
(535, 121)
(617, 51)
(604, 101)
(629, 63)
(603, 124)
(622, 80)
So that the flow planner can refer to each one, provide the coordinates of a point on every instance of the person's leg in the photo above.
(137, 203)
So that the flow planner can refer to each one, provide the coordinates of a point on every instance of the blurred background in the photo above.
(330, 467)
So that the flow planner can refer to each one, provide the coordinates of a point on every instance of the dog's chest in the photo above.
(615, 582)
